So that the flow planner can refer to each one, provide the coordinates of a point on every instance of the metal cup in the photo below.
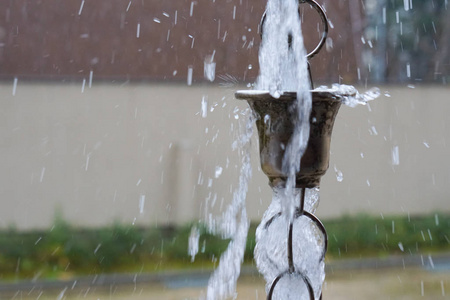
(275, 119)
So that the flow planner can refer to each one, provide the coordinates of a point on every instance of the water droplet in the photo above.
(395, 156)
(209, 69)
(194, 239)
(191, 12)
(141, 204)
(14, 86)
(138, 30)
(81, 8)
(97, 248)
(406, 4)
(339, 174)
(219, 170)
(204, 106)
(189, 75)
(91, 76)
(276, 94)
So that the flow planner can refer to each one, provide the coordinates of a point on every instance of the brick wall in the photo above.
(155, 39)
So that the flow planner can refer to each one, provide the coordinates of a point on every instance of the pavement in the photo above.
(199, 278)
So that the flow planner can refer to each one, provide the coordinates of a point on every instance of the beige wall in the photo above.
(96, 154)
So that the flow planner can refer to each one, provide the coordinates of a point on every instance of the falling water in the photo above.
(283, 67)
(271, 248)
(234, 223)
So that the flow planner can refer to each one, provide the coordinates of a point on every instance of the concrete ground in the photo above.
(394, 277)
(396, 283)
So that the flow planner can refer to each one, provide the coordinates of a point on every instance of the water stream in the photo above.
(234, 223)
(308, 243)
(283, 67)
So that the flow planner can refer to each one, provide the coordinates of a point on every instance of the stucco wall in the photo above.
(144, 154)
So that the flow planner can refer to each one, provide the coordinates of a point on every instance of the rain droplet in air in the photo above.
(406, 4)
(219, 170)
(204, 106)
(395, 156)
(209, 70)
(194, 242)
(14, 86)
(81, 8)
(141, 204)
(191, 12)
(91, 76)
(189, 75)
(339, 174)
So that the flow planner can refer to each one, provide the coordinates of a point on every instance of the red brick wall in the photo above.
(49, 39)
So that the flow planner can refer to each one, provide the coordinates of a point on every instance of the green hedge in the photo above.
(366, 235)
(65, 250)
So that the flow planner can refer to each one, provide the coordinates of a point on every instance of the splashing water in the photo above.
(233, 225)
(308, 244)
(350, 95)
(193, 242)
(283, 67)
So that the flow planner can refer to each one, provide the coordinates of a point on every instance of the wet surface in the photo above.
(396, 283)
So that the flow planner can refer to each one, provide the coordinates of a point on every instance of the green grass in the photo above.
(67, 251)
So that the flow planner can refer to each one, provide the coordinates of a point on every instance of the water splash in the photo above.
(283, 67)
(350, 95)
(395, 156)
(194, 239)
(233, 224)
(283, 64)
(209, 69)
(308, 243)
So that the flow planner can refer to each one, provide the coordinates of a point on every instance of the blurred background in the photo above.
(117, 127)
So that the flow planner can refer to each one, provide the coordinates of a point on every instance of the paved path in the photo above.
(392, 274)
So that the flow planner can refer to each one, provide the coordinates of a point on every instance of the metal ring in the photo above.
(324, 18)
(310, 216)
(322, 228)
(304, 278)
